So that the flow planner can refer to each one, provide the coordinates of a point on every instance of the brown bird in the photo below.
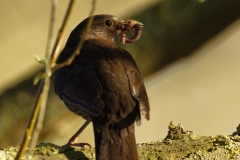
(104, 86)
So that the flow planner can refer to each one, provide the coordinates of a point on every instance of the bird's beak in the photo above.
(130, 26)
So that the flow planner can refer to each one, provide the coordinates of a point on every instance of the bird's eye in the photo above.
(108, 23)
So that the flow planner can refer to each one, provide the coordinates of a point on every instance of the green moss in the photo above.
(179, 144)
(184, 144)
(64, 152)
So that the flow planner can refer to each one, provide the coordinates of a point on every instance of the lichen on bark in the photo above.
(178, 144)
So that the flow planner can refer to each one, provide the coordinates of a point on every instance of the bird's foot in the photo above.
(73, 142)
(79, 144)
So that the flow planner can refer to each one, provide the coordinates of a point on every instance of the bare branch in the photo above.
(31, 122)
(51, 27)
(80, 44)
(42, 95)
(41, 115)
(57, 45)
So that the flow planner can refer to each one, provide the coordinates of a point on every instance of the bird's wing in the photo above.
(78, 86)
(137, 87)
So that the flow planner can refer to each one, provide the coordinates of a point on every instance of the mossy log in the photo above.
(178, 144)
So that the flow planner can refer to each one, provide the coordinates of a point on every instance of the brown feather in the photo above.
(103, 83)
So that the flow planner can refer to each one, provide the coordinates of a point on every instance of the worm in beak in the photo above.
(130, 26)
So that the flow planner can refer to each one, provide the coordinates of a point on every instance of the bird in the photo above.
(104, 86)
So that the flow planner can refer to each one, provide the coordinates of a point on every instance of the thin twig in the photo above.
(31, 123)
(51, 27)
(56, 49)
(41, 115)
(80, 44)
(43, 89)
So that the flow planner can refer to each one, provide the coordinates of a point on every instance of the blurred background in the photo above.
(188, 54)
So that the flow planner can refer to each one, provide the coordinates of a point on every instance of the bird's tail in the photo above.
(112, 144)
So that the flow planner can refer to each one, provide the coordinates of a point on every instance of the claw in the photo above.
(73, 142)
(79, 144)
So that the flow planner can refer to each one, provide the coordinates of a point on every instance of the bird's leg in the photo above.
(73, 140)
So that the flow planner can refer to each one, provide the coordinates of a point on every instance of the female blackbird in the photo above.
(104, 86)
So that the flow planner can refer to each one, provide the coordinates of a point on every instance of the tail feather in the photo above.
(129, 148)
(112, 145)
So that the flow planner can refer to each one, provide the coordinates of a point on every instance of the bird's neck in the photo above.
(101, 36)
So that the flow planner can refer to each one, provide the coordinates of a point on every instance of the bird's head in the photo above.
(107, 27)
